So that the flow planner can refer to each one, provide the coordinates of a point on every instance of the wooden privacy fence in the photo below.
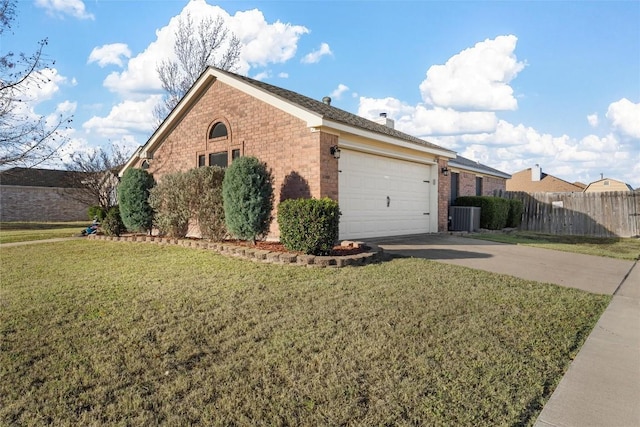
(607, 214)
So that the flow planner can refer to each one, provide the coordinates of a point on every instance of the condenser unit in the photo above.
(464, 218)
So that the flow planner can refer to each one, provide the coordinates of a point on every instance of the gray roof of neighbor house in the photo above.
(40, 177)
(330, 112)
(472, 165)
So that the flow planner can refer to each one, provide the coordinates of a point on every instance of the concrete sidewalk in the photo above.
(33, 242)
(602, 385)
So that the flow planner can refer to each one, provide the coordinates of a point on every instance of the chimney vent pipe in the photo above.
(326, 100)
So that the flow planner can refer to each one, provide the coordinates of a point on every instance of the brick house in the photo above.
(470, 178)
(386, 182)
(41, 195)
(534, 180)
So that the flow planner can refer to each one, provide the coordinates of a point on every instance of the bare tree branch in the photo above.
(26, 139)
(98, 175)
(195, 47)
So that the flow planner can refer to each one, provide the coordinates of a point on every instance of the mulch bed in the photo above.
(279, 247)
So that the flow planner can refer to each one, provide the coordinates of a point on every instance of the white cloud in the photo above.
(624, 116)
(262, 75)
(125, 118)
(476, 78)
(73, 8)
(283, 75)
(262, 43)
(339, 91)
(66, 107)
(109, 54)
(316, 55)
(43, 85)
(593, 120)
(423, 122)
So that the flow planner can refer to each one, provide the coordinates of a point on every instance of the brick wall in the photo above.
(444, 189)
(467, 184)
(22, 203)
(298, 158)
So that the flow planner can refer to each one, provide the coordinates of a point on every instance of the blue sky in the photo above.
(510, 84)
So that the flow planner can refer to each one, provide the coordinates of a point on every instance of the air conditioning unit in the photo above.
(464, 218)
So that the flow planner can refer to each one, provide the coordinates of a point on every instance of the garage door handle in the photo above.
(388, 201)
(425, 213)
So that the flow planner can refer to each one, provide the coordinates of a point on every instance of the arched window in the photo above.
(218, 130)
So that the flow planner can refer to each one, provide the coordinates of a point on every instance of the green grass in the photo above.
(11, 232)
(95, 333)
(620, 248)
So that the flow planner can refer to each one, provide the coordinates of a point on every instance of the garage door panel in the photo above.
(365, 182)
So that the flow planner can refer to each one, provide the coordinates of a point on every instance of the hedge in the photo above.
(309, 225)
(494, 211)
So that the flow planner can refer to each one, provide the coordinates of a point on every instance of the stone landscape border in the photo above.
(373, 254)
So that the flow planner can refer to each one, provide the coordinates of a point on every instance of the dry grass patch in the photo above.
(137, 334)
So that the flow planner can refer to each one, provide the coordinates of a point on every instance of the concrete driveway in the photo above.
(602, 385)
(590, 273)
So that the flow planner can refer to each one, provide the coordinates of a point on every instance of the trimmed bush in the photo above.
(133, 199)
(309, 225)
(112, 224)
(247, 192)
(206, 201)
(516, 209)
(170, 203)
(98, 212)
(493, 210)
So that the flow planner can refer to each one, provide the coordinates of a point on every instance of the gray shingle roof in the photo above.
(464, 162)
(330, 112)
(39, 177)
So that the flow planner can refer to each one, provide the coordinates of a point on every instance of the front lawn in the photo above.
(25, 231)
(620, 248)
(95, 333)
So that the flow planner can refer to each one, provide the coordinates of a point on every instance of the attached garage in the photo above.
(385, 196)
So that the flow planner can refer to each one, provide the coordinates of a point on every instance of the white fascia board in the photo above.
(350, 145)
(134, 157)
(389, 139)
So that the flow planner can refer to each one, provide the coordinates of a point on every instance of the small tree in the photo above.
(97, 175)
(247, 192)
(133, 198)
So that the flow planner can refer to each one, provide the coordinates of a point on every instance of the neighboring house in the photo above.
(470, 178)
(386, 182)
(533, 180)
(41, 195)
(607, 184)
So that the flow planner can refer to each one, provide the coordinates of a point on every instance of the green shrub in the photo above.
(206, 202)
(170, 203)
(247, 193)
(98, 212)
(309, 225)
(516, 209)
(493, 210)
(112, 224)
(133, 199)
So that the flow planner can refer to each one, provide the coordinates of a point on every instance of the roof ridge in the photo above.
(330, 112)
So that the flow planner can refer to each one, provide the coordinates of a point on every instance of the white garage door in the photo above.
(380, 196)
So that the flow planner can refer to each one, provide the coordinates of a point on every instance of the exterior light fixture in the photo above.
(445, 171)
(335, 152)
